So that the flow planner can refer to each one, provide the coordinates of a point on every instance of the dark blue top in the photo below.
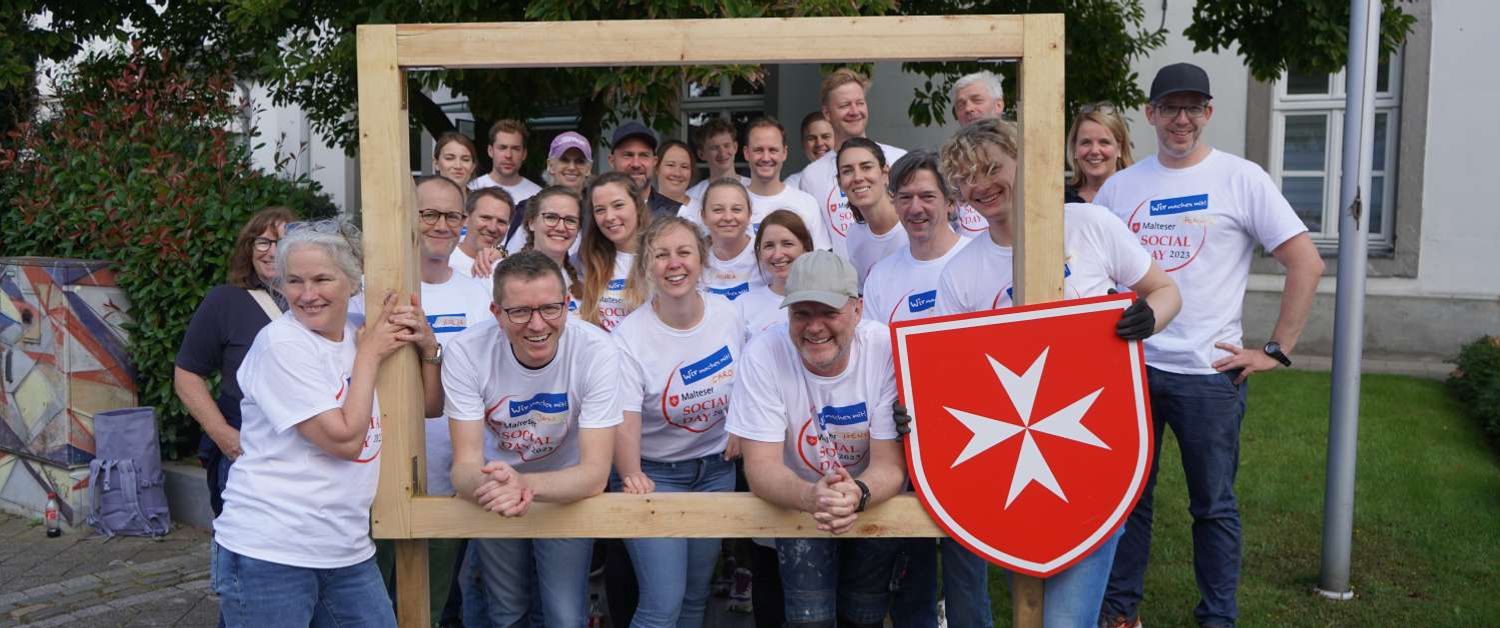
(216, 341)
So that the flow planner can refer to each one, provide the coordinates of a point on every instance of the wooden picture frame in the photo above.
(386, 52)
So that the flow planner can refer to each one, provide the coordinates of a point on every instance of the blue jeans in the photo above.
(1204, 412)
(965, 586)
(474, 608)
(1071, 599)
(527, 578)
(257, 594)
(674, 574)
(845, 581)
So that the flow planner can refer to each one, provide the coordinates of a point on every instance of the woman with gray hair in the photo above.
(292, 547)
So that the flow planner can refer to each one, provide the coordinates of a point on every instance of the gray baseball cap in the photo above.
(821, 276)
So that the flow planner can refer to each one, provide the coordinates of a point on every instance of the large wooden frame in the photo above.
(385, 52)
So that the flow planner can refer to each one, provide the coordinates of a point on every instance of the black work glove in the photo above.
(902, 419)
(1138, 321)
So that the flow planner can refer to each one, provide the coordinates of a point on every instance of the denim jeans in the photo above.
(965, 586)
(1204, 412)
(674, 574)
(524, 578)
(217, 474)
(257, 594)
(1071, 599)
(843, 581)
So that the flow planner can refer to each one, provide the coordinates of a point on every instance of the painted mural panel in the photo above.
(63, 349)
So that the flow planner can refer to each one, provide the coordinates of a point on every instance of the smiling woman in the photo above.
(309, 396)
(219, 335)
(616, 211)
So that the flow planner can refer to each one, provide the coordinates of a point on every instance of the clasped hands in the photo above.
(833, 501)
(504, 490)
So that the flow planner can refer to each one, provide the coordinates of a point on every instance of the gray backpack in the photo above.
(126, 476)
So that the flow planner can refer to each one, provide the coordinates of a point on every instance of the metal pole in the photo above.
(1349, 313)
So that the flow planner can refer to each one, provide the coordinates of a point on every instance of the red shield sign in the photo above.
(1031, 428)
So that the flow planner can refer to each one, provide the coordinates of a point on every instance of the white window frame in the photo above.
(1387, 102)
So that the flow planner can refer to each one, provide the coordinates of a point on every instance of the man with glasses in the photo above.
(814, 411)
(1201, 212)
(531, 399)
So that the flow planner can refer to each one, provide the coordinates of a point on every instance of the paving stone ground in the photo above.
(82, 579)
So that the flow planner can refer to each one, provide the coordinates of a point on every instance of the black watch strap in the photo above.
(864, 495)
(1273, 349)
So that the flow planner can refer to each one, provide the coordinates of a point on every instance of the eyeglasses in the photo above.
(265, 244)
(522, 315)
(430, 217)
(1105, 107)
(551, 220)
(1170, 112)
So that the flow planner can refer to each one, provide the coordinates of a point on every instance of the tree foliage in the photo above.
(1103, 38)
(1274, 36)
(138, 168)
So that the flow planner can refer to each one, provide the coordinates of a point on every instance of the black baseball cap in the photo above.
(1179, 77)
(631, 129)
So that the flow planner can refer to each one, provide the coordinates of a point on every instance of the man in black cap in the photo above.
(632, 150)
(1201, 212)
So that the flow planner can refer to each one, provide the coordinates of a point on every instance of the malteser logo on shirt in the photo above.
(843, 440)
(535, 427)
(731, 292)
(1181, 204)
(702, 400)
(837, 207)
(617, 284)
(1179, 228)
(447, 323)
(921, 301)
(715, 362)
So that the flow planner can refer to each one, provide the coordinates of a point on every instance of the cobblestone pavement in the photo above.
(81, 579)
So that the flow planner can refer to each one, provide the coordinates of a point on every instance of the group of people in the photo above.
(630, 332)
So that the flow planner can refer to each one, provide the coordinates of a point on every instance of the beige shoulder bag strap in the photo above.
(266, 303)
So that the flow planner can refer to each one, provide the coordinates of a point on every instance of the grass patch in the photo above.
(1426, 520)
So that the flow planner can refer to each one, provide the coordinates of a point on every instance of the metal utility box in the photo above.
(62, 359)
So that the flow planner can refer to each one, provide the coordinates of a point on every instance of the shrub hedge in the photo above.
(1476, 382)
(139, 166)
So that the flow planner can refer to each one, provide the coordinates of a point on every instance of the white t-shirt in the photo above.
(451, 307)
(612, 300)
(760, 308)
(822, 421)
(866, 248)
(518, 192)
(798, 201)
(901, 287)
(532, 416)
(695, 192)
(761, 206)
(733, 278)
(289, 502)
(1201, 224)
(1099, 254)
(820, 179)
(793, 181)
(968, 223)
(680, 379)
(462, 264)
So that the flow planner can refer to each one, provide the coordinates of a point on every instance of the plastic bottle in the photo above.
(54, 529)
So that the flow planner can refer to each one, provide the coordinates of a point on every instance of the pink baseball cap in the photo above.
(569, 139)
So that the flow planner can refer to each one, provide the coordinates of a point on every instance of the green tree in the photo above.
(1277, 35)
(1103, 38)
(138, 168)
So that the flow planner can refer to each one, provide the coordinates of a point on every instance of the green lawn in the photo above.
(1427, 513)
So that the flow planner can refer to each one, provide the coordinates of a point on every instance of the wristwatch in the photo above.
(1273, 349)
(864, 495)
(437, 358)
